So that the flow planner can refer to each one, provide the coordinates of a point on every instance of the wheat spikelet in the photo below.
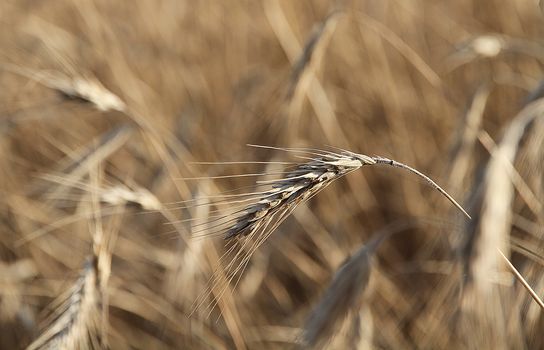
(298, 186)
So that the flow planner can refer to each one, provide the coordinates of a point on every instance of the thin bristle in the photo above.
(522, 280)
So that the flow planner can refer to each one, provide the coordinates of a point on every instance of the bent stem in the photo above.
(394, 163)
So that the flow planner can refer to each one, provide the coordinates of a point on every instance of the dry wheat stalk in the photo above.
(495, 220)
(485, 306)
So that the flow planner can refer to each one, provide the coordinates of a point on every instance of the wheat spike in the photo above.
(75, 321)
(306, 180)
(344, 291)
(296, 187)
(80, 316)
(256, 215)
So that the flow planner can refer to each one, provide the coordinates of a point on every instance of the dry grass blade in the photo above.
(523, 281)
(118, 195)
(490, 46)
(403, 48)
(481, 46)
(468, 135)
(344, 291)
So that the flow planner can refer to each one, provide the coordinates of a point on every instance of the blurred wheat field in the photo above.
(118, 119)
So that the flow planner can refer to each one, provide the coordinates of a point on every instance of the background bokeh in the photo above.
(106, 106)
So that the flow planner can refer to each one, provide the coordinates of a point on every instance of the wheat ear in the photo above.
(348, 284)
(255, 215)
(79, 319)
(74, 323)
(308, 179)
